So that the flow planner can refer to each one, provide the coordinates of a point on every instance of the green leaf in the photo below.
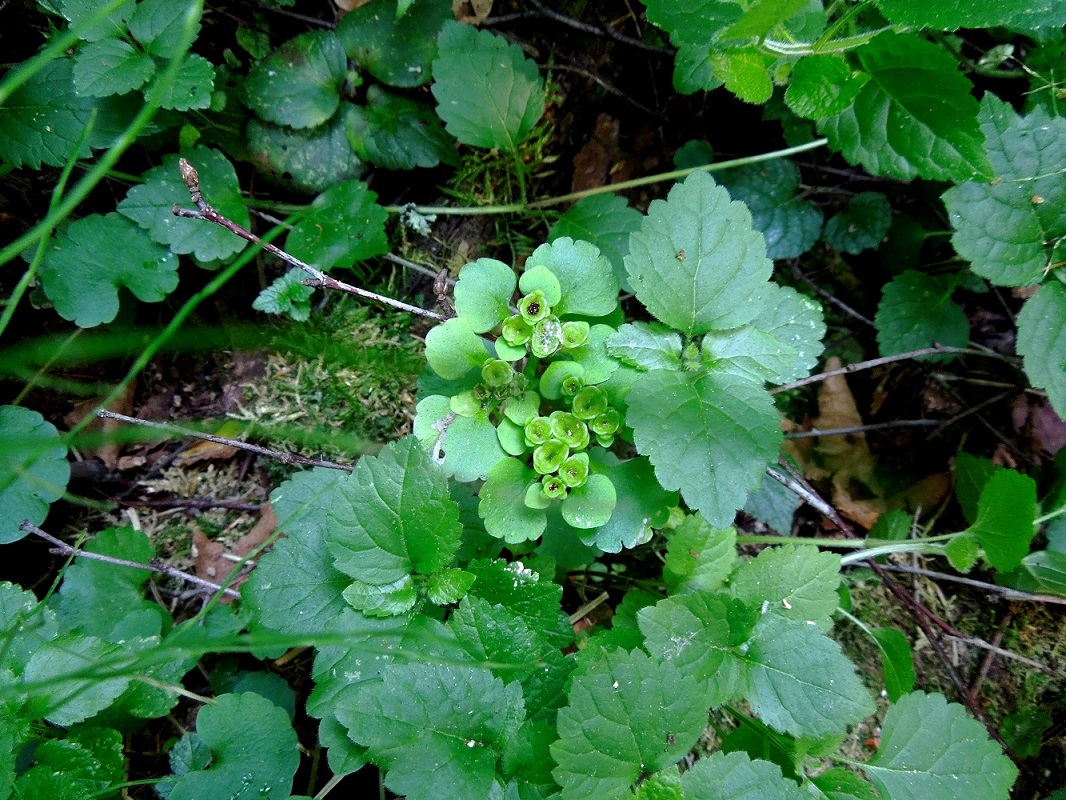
(773, 505)
(733, 776)
(159, 25)
(488, 93)
(589, 288)
(309, 160)
(483, 293)
(746, 73)
(453, 349)
(762, 17)
(1005, 518)
(591, 504)
(33, 469)
(916, 311)
(962, 552)
(748, 353)
(799, 583)
(646, 345)
(953, 14)
(467, 447)
(691, 21)
(796, 322)
(641, 506)
(692, 68)
(593, 357)
(698, 556)
(395, 47)
(840, 784)
(151, 205)
(605, 220)
(25, 626)
(386, 600)
(1007, 228)
(537, 600)
(502, 503)
(791, 225)
(397, 133)
(627, 715)
(799, 682)
(663, 785)
(697, 263)
(448, 586)
(897, 660)
(1023, 731)
(343, 225)
(823, 86)
(1042, 341)
(392, 516)
(111, 66)
(192, 86)
(299, 85)
(898, 127)
(930, 748)
(70, 699)
(287, 295)
(82, 277)
(709, 435)
(434, 725)
(254, 747)
(1045, 571)
(861, 225)
(295, 588)
(77, 11)
(694, 153)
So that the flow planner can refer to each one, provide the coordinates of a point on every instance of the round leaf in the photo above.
(33, 469)
(503, 507)
(861, 225)
(299, 84)
(453, 349)
(605, 220)
(309, 160)
(587, 282)
(483, 293)
(398, 133)
(396, 47)
(590, 505)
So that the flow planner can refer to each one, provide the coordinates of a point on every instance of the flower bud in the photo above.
(547, 337)
(516, 331)
(569, 429)
(553, 487)
(571, 385)
(538, 431)
(606, 423)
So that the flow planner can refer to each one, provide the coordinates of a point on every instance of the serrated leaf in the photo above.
(605, 220)
(709, 435)
(151, 205)
(762, 17)
(33, 469)
(697, 263)
(192, 85)
(254, 747)
(396, 48)
(627, 714)
(588, 285)
(930, 748)
(861, 225)
(343, 225)
(76, 12)
(641, 506)
(899, 126)
(537, 600)
(593, 357)
(748, 353)
(797, 322)
(435, 725)
(25, 626)
(397, 133)
(502, 505)
(287, 295)
(82, 276)
(382, 600)
(687, 21)
(1007, 228)
(483, 293)
(698, 557)
(822, 86)
(746, 73)
(310, 160)
(799, 682)
(663, 785)
(488, 93)
(295, 588)
(948, 16)
(467, 447)
(159, 25)
(896, 660)
(692, 68)
(916, 311)
(646, 345)
(840, 784)
(733, 776)
(299, 84)
(70, 699)
(1005, 518)
(393, 516)
(791, 225)
(448, 586)
(774, 505)
(1042, 342)
(799, 583)
(962, 552)
(111, 66)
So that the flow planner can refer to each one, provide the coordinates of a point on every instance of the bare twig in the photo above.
(828, 296)
(278, 455)
(319, 278)
(875, 426)
(1009, 594)
(193, 503)
(155, 565)
(595, 30)
(422, 268)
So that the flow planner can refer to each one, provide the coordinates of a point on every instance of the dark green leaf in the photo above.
(159, 25)
(861, 225)
(916, 311)
(299, 85)
(1023, 731)
(695, 21)
(75, 693)
(605, 220)
(33, 469)
(343, 225)
(897, 661)
(111, 66)
(1042, 341)
(735, 777)
(397, 133)
(1005, 518)
(774, 505)
(78, 11)
(952, 14)
(395, 47)
(522, 590)
(192, 86)
(822, 86)
(698, 556)
(24, 626)
(287, 295)
(309, 160)
(798, 583)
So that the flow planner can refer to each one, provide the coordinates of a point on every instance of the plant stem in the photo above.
(845, 543)
(910, 546)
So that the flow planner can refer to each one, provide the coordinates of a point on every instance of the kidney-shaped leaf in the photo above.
(33, 469)
(343, 225)
(299, 84)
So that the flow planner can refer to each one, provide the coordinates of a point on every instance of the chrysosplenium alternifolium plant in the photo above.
(537, 377)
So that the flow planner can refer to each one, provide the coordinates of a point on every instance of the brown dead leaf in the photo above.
(594, 162)
(344, 6)
(107, 450)
(1037, 422)
(260, 532)
(472, 12)
(204, 450)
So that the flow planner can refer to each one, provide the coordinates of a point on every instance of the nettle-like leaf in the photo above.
(861, 225)
(393, 516)
(396, 47)
(1008, 228)
(822, 86)
(746, 73)
(733, 776)
(1019, 14)
(774, 505)
(708, 434)
(914, 117)
(25, 625)
(790, 224)
(798, 583)
(697, 22)
(435, 725)
(397, 133)
(605, 220)
(627, 714)
(75, 692)
(310, 160)
(697, 263)
(34, 470)
(159, 24)
(254, 748)
(1005, 518)
(111, 66)
(87, 760)
(192, 86)
(299, 84)
(698, 557)
(646, 345)
(82, 274)
(343, 225)
(525, 592)
(287, 295)
(488, 93)
(77, 12)
(916, 311)
(1042, 342)
(151, 205)
(930, 748)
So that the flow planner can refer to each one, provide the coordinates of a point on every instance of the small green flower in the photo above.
(575, 470)
(569, 429)
(571, 385)
(605, 441)
(516, 331)
(552, 486)
(538, 431)
(575, 334)
(606, 423)
(534, 307)
(549, 456)
(589, 403)
(497, 373)
(547, 337)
